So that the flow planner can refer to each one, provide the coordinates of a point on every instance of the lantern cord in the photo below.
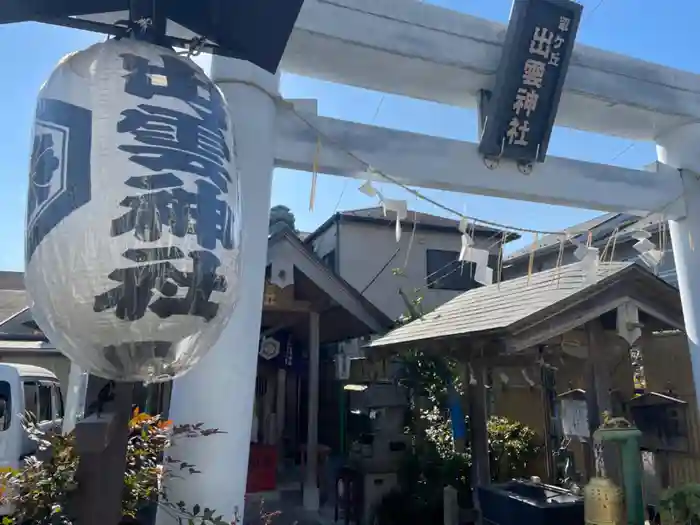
(194, 47)
(133, 27)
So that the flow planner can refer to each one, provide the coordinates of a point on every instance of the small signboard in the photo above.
(530, 78)
(574, 418)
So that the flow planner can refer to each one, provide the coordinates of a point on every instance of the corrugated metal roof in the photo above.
(499, 306)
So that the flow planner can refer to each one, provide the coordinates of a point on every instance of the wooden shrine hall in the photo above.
(306, 308)
(523, 342)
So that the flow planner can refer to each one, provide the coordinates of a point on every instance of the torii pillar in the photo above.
(220, 390)
(679, 148)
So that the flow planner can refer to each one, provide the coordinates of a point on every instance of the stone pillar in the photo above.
(219, 392)
(311, 490)
(678, 148)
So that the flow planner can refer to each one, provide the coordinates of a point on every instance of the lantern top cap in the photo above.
(254, 31)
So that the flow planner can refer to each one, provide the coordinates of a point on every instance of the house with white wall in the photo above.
(613, 234)
(360, 246)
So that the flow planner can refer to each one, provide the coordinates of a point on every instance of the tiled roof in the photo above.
(424, 219)
(13, 298)
(499, 306)
(552, 240)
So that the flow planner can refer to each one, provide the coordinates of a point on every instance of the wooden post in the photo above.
(280, 412)
(599, 400)
(311, 489)
(101, 443)
(481, 469)
(546, 384)
(475, 392)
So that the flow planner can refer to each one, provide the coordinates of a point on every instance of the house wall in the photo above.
(667, 365)
(519, 402)
(326, 242)
(545, 261)
(365, 248)
(55, 362)
(623, 251)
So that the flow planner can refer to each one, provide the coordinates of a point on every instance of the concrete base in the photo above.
(289, 506)
(267, 496)
(311, 498)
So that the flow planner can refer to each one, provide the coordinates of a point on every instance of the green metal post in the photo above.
(628, 439)
(632, 474)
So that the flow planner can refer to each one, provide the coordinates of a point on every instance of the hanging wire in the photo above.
(347, 179)
(418, 194)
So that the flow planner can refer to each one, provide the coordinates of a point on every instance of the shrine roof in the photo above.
(345, 312)
(521, 307)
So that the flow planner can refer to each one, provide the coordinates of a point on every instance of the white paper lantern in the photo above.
(133, 224)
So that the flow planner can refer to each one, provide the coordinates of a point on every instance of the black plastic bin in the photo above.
(524, 502)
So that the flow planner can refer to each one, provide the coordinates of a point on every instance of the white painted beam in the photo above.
(431, 53)
(432, 162)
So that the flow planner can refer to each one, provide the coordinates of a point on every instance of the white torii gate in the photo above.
(426, 52)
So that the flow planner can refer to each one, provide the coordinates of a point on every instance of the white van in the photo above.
(26, 389)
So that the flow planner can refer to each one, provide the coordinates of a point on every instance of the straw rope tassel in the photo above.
(499, 270)
(314, 175)
(560, 260)
(531, 262)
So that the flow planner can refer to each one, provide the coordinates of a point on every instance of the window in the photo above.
(45, 402)
(38, 401)
(31, 399)
(5, 405)
(445, 272)
(59, 400)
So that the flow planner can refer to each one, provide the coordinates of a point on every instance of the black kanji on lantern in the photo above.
(155, 272)
(167, 141)
(183, 212)
(174, 79)
(178, 145)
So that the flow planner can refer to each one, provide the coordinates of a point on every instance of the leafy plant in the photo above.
(43, 492)
(681, 505)
(512, 446)
(433, 462)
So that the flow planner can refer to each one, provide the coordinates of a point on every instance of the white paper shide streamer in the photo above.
(400, 208)
(133, 224)
(648, 252)
(483, 274)
(588, 259)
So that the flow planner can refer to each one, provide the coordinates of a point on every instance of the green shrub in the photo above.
(681, 505)
(512, 447)
(44, 492)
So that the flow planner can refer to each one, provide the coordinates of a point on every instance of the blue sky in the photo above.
(653, 31)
